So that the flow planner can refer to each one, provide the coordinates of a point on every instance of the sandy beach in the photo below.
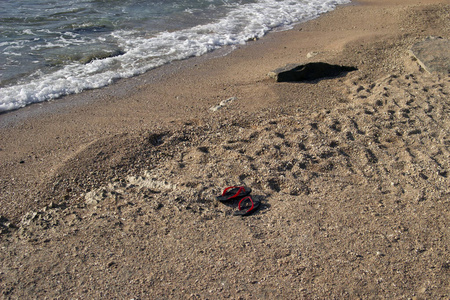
(111, 193)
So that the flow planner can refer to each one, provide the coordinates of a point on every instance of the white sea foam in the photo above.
(141, 54)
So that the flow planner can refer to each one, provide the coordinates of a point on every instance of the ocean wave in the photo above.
(136, 53)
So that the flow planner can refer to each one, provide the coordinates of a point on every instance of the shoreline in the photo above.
(351, 173)
(121, 85)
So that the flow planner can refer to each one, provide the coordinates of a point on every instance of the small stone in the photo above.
(229, 100)
(215, 108)
(312, 54)
(222, 104)
(91, 201)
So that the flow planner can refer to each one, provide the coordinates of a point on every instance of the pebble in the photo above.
(312, 54)
(222, 104)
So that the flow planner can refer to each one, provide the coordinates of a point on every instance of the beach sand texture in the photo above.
(111, 193)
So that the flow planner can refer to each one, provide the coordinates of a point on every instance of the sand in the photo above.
(111, 193)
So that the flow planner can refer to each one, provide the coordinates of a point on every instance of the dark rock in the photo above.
(308, 72)
(101, 54)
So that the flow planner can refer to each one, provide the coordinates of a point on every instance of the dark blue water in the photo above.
(53, 48)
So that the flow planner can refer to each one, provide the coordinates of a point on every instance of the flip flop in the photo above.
(247, 206)
(234, 192)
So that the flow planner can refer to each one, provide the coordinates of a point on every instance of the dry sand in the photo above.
(111, 193)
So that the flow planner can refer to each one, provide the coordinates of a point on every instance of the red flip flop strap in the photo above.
(233, 187)
(251, 200)
(228, 188)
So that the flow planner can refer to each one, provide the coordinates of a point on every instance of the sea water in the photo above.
(51, 48)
